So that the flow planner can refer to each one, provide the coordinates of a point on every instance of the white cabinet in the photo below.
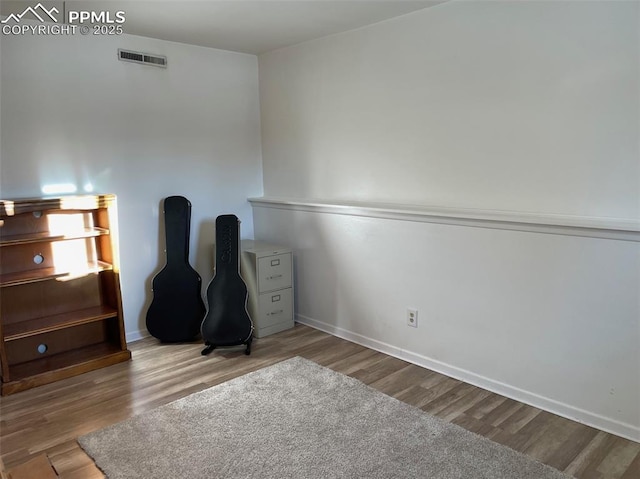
(267, 270)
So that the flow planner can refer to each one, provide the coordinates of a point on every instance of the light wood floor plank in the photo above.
(619, 458)
(633, 471)
(572, 447)
(585, 460)
(484, 407)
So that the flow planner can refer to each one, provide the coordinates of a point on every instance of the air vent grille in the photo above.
(142, 58)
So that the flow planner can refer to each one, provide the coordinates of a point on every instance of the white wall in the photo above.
(72, 113)
(531, 107)
(525, 106)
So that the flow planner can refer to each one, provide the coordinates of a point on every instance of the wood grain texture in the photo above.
(50, 418)
(60, 300)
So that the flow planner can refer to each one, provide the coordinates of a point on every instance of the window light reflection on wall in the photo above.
(65, 188)
(59, 188)
(77, 257)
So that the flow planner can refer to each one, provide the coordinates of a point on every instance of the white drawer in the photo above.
(274, 272)
(274, 308)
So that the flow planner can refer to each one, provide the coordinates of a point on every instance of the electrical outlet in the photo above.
(412, 317)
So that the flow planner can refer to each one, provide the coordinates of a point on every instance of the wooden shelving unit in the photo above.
(60, 300)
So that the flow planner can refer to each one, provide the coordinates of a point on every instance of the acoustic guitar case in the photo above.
(177, 308)
(227, 322)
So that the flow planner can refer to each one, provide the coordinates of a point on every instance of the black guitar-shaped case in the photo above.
(177, 308)
(227, 322)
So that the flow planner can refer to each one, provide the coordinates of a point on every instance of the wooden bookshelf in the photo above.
(60, 299)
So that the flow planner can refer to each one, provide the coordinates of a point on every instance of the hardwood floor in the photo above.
(50, 418)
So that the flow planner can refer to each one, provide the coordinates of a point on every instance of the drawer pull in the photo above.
(275, 276)
(273, 313)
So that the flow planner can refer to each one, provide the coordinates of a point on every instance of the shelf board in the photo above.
(80, 203)
(44, 274)
(64, 365)
(36, 326)
(10, 240)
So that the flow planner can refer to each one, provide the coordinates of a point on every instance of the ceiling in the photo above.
(250, 26)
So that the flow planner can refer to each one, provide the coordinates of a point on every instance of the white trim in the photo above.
(590, 226)
(612, 426)
(134, 336)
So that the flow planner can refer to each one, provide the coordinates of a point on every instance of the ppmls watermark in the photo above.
(83, 22)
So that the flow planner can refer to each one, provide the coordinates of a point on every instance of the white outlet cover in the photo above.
(412, 317)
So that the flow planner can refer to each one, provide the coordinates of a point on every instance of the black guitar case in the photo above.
(177, 308)
(227, 322)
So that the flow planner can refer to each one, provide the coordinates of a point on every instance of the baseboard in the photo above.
(134, 336)
(605, 424)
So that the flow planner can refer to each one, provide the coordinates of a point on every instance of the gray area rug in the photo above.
(297, 419)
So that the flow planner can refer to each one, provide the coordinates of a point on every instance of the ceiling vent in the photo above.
(143, 58)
